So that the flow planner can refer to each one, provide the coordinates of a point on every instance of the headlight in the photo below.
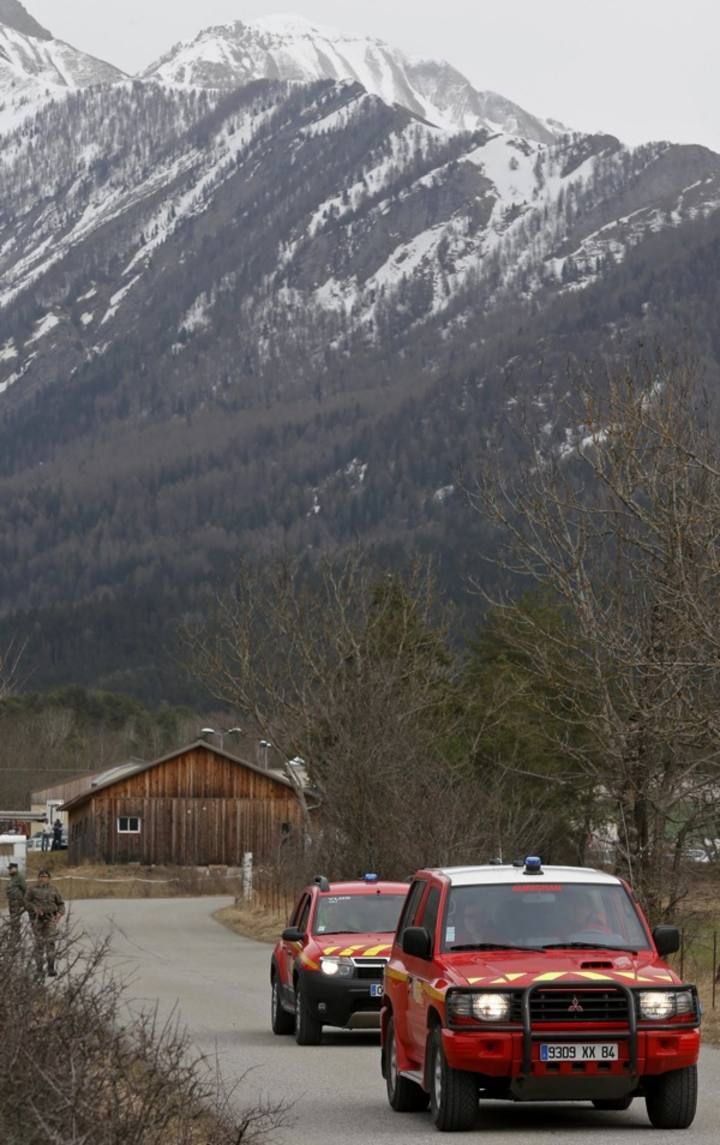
(337, 967)
(481, 1007)
(659, 1005)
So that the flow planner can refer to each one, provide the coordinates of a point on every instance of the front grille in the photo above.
(370, 967)
(605, 1004)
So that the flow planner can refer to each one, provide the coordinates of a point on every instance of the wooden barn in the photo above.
(196, 806)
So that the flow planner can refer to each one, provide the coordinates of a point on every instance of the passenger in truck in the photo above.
(476, 925)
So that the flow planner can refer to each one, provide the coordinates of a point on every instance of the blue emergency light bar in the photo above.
(370, 878)
(533, 865)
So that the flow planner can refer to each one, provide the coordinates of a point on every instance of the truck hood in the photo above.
(521, 968)
(367, 945)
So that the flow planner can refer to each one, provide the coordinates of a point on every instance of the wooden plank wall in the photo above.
(195, 809)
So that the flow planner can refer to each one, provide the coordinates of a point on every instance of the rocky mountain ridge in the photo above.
(14, 15)
(393, 224)
(293, 49)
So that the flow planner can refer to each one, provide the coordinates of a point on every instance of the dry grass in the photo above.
(130, 880)
(252, 921)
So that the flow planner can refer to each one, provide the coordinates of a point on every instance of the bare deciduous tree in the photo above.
(349, 669)
(621, 522)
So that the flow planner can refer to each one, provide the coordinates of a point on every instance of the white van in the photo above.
(13, 849)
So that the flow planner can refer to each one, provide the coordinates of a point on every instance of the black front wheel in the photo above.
(308, 1029)
(671, 1099)
(404, 1095)
(282, 1022)
(453, 1092)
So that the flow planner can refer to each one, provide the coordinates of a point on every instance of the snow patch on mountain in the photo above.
(43, 327)
(117, 299)
(35, 71)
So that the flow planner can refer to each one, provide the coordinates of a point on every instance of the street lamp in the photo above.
(221, 732)
(265, 746)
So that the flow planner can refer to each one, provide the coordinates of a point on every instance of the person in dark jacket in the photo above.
(15, 891)
(57, 835)
(46, 907)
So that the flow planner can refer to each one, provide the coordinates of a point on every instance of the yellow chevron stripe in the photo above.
(329, 949)
(592, 975)
(372, 951)
(348, 951)
(551, 976)
(433, 992)
(397, 975)
(634, 977)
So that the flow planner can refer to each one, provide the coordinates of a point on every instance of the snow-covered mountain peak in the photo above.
(288, 24)
(288, 47)
(35, 68)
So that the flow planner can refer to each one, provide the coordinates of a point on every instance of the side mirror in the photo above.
(667, 939)
(417, 942)
(293, 934)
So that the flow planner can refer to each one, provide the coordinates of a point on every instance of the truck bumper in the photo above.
(502, 1057)
(343, 1001)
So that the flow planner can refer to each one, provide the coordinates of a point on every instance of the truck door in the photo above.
(421, 972)
(398, 981)
(291, 950)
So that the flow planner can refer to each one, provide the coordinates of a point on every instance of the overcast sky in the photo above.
(641, 69)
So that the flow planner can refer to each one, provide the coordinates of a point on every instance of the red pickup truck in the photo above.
(327, 967)
(535, 983)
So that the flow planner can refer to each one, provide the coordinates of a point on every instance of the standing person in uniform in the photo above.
(46, 907)
(15, 891)
(57, 835)
(47, 836)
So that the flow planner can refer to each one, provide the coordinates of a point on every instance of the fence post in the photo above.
(714, 970)
(247, 875)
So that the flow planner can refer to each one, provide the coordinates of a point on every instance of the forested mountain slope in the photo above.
(286, 314)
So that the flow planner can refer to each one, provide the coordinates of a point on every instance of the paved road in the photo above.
(175, 954)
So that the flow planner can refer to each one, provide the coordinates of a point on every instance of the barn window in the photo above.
(129, 825)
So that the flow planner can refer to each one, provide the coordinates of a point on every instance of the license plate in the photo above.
(376, 990)
(579, 1052)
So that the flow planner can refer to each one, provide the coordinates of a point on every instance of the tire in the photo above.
(671, 1099)
(281, 1021)
(612, 1104)
(308, 1030)
(404, 1095)
(453, 1092)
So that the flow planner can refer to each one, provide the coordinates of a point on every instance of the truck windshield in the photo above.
(357, 914)
(583, 915)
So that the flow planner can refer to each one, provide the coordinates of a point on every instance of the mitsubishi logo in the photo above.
(575, 1007)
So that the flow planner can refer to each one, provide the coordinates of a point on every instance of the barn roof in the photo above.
(81, 780)
(118, 775)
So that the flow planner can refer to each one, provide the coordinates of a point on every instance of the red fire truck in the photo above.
(535, 983)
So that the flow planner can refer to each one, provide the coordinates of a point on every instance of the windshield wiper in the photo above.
(586, 946)
(494, 946)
